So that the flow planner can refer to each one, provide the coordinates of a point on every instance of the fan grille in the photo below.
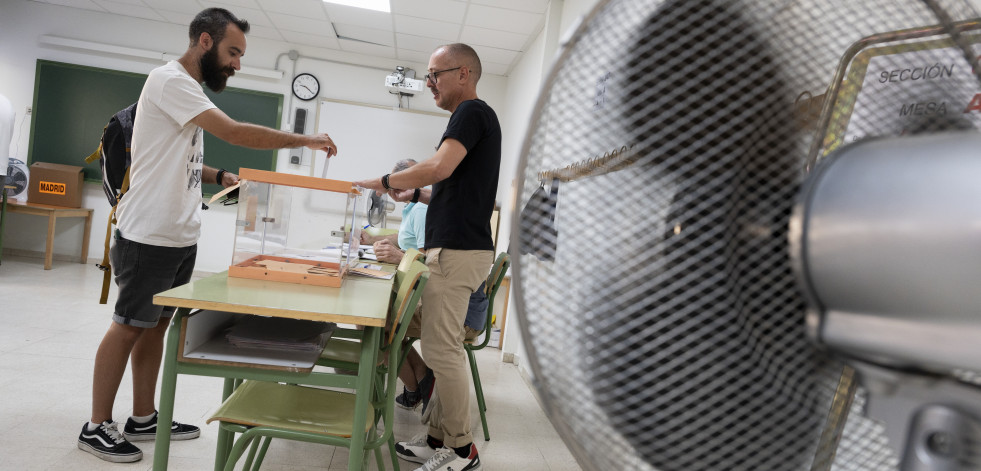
(663, 322)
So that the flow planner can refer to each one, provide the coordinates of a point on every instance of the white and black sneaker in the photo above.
(416, 450)
(107, 443)
(445, 459)
(137, 432)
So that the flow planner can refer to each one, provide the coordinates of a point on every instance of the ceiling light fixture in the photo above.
(377, 5)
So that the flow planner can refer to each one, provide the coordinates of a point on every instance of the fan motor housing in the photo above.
(886, 243)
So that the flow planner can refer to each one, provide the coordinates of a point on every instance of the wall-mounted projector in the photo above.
(404, 81)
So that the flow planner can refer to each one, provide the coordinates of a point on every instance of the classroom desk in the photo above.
(360, 301)
(53, 213)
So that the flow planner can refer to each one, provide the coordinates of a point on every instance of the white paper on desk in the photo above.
(371, 271)
(369, 256)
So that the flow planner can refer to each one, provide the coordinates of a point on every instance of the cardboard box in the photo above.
(55, 184)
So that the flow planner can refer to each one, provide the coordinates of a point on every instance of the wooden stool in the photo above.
(53, 213)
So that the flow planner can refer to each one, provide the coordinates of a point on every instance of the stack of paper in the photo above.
(280, 333)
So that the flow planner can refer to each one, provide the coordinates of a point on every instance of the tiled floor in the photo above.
(52, 324)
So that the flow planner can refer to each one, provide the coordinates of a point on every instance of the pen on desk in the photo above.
(366, 226)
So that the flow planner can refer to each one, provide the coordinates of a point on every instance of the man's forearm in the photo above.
(260, 137)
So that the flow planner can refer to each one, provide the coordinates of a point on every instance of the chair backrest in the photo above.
(407, 299)
(494, 280)
(411, 257)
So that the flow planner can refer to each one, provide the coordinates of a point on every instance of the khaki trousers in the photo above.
(453, 276)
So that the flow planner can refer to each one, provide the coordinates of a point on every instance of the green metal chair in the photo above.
(494, 280)
(275, 410)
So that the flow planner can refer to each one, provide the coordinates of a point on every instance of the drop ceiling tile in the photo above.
(126, 9)
(359, 16)
(414, 56)
(494, 68)
(254, 16)
(236, 3)
(504, 20)
(84, 4)
(493, 54)
(300, 25)
(368, 49)
(266, 32)
(418, 43)
(188, 8)
(360, 33)
(183, 6)
(534, 6)
(130, 2)
(473, 35)
(305, 8)
(429, 28)
(176, 17)
(440, 10)
(307, 39)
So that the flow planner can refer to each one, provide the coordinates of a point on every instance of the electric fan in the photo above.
(378, 208)
(17, 172)
(686, 326)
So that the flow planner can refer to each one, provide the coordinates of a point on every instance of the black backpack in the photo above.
(114, 159)
(114, 153)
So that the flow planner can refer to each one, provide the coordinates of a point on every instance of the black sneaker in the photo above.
(138, 432)
(427, 389)
(107, 443)
(408, 399)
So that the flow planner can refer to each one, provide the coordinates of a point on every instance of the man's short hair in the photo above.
(403, 164)
(214, 21)
(467, 57)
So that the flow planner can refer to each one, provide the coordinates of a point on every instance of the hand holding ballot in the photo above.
(323, 142)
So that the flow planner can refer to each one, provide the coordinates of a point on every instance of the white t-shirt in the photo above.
(163, 204)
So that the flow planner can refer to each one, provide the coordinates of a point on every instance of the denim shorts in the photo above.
(141, 271)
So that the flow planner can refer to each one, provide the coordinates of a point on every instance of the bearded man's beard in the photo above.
(215, 76)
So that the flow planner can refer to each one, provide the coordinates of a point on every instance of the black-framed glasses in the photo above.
(432, 76)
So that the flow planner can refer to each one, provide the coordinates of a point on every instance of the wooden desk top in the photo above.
(359, 301)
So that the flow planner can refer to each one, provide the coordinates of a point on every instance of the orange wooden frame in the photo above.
(249, 269)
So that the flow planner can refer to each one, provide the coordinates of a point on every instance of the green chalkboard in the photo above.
(72, 103)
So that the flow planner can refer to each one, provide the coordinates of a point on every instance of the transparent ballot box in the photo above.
(295, 228)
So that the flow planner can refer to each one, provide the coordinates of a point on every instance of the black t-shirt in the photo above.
(460, 206)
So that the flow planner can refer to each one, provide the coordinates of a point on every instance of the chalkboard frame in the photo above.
(72, 103)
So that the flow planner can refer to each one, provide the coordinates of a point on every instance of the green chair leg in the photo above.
(262, 452)
(251, 456)
(391, 451)
(479, 390)
(237, 449)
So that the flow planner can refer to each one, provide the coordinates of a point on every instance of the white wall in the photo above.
(524, 86)
(23, 22)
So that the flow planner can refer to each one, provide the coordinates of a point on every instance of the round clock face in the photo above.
(306, 87)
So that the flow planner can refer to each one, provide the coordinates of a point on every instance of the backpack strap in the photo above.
(98, 152)
(106, 265)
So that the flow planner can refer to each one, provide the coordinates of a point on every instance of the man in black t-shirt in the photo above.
(459, 248)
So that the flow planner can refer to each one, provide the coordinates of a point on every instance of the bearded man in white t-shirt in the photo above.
(160, 221)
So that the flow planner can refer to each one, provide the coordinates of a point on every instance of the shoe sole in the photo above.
(412, 458)
(110, 457)
(145, 437)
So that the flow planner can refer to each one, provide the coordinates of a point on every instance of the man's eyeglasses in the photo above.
(431, 77)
